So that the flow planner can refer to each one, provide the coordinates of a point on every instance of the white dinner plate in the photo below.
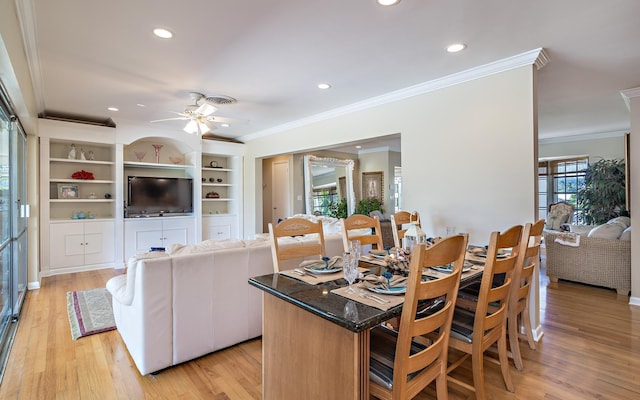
(321, 271)
(392, 290)
(447, 270)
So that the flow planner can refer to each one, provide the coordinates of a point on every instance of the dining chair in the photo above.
(352, 227)
(295, 227)
(480, 324)
(398, 220)
(518, 318)
(404, 362)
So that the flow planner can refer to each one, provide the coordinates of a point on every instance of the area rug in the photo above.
(90, 312)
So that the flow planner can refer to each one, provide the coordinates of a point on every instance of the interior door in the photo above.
(280, 194)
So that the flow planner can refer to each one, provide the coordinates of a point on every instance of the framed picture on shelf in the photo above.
(66, 191)
(372, 185)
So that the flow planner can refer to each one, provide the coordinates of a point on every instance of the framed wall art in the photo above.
(66, 191)
(372, 185)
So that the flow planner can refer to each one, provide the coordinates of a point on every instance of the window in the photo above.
(560, 180)
(323, 198)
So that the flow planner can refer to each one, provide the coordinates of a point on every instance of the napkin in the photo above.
(325, 263)
(375, 281)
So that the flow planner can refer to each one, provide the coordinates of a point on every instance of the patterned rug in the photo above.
(90, 312)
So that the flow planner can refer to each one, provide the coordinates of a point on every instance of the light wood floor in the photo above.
(590, 350)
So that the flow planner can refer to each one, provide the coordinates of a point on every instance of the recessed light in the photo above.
(388, 2)
(163, 33)
(323, 86)
(456, 47)
(140, 105)
(358, 147)
(112, 109)
(224, 125)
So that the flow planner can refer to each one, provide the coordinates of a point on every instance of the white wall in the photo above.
(596, 148)
(468, 152)
(634, 185)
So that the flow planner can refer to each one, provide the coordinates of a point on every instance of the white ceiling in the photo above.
(87, 55)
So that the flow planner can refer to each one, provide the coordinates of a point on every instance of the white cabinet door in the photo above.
(81, 243)
(142, 234)
(220, 228)
(174, 234)
(99, 238)
(67, 245)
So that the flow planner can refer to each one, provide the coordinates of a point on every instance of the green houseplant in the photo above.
(365, 206)
(339, 209)
(603, 195)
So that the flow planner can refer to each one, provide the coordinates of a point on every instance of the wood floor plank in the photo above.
(590, 350)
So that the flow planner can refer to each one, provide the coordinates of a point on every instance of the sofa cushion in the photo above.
(607, 231)
(625, 222)
(626, 234)
(207, 245)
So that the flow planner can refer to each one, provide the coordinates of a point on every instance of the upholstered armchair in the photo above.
(559, 216)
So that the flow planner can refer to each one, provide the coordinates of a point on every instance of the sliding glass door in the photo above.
(13, 224)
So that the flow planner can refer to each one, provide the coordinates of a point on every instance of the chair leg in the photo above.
(526, 321)
(477, 366)
(504, 361)
(514, 345)
(441, 386)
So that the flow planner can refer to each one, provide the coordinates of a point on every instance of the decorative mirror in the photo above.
(320, 172)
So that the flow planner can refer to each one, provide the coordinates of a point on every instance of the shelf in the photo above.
(225, 199)
(81, 200)
(218, 184)
(67, 220)
(72, 161)
(137, 164)
(217, 169)
(66, 180)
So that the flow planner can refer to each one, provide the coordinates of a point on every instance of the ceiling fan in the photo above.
(199, 114)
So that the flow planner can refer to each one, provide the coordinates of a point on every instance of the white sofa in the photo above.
(176, 306)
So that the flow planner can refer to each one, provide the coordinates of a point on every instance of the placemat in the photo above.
(316, 279)
(363, 296)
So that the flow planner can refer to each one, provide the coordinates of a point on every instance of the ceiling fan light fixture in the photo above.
(206, 109)
(191, 127)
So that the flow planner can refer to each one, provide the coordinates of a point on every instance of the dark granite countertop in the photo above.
(319, 300)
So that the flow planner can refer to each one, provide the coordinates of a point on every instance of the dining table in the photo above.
(316, 337)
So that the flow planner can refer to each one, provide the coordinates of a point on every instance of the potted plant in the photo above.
(338, 210)
(603, 195)
(365, 206)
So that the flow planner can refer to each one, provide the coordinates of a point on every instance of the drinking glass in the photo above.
(355, 249)
(350, 269)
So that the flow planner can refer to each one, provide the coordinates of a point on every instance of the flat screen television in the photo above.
(152, 195)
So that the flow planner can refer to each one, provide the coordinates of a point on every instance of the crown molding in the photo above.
(628, 94)
(537, 57)
(27, 18)
(582, 136)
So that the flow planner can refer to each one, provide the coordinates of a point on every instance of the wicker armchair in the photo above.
(600, 262)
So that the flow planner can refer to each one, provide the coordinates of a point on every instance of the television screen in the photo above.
(153, 195)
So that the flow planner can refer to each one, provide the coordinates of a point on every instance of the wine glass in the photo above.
(355, 249)
(350, 269)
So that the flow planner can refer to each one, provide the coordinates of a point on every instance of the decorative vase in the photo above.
(140, 155)
(157, 148)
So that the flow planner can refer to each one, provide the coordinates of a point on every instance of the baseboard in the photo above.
(71, 270)
(538, 333)
(634, 301)
(33, 285)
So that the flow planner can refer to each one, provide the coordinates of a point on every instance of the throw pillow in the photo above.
(606, 231)
(625, 222)
(626, 234)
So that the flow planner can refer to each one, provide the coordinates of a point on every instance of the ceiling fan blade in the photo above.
(171, 119)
